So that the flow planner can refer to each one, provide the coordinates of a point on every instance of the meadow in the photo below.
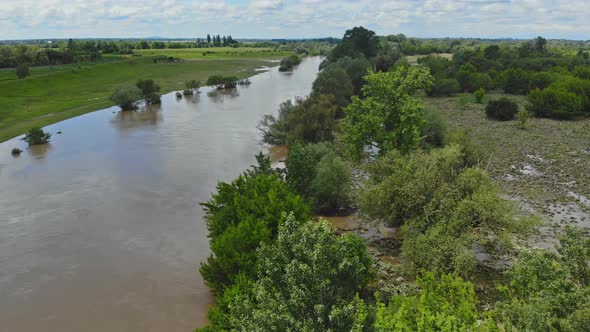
(52, 94)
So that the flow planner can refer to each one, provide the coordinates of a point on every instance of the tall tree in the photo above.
(208, 39)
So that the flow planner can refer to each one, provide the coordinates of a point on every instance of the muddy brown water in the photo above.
(101, 229)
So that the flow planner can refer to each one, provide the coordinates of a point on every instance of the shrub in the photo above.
(36, 136)
(554, 102)
(16, 151)
(435, 130)
(502, 109)
(523, 117)
(192, 85)
(126, 96)
(22, 70)
(479, 95)
(149, 90)
(289, 62)
(444, 87)
(515, 81)
(334, 81)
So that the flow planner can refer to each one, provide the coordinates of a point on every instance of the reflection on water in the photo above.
(148, 115)
(39, 151)
(106, 233)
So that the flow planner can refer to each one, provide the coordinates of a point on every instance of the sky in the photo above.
(39, 19)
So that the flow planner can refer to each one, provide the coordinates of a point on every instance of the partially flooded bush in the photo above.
(36, 136)
(16, 151)
(126, 96)
(289, 62)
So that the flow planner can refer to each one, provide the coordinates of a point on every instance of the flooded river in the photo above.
(101, 230)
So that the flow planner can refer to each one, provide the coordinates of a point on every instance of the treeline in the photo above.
(362, 140)
(557, 83)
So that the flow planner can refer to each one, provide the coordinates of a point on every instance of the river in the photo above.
(101, 230)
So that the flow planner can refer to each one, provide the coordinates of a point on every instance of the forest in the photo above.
(367, 142)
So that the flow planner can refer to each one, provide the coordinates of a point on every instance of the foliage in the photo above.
(240, 216)
(36, 136)
(516, 81)
(444, 303)
(479, 95)
(334, 81)
(444, 87)
(390, 115)
(435, 130)
(289, 62)
(502, 109)
(126, 96)
(306, 121)
(149, 90)
(192, 84)
(550, 291)
(227, 82)
(356, 42)
(22, 70)
(15, 151)
(356, 69)
(445, 208)
(308, 280)
(523, 117)
(554, 102)
(319, 175)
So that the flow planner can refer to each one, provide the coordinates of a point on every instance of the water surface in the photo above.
(101, 229)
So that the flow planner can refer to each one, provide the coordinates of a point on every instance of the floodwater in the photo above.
(101, 229)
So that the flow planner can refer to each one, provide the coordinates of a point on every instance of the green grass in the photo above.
(52, 94)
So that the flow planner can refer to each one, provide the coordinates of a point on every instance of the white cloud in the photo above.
(282, 18)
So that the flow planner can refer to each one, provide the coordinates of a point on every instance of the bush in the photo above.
(435, 130)
(503, 109)
(479, 95)
(36, 136)
(554, 102)
(334, 81)
(226, 82)
(16, 151)
(444, 87)
(523, 117)
(515, 81)
(126, 96)
(22, 70)
(289, 62)
(149, 90)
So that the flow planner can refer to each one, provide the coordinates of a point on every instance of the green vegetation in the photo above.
(289, 62)
(374, 148)
(36, 136)
(126, 96)
(149, 90)
(223, 82)
(502, 109)
(16, 151)
(51, 94)
(22, 70)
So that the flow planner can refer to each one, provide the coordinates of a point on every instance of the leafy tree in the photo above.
(444, 87)
(356, 69)
(502, 109)
(549, 291)
(149, 90)
(309, 120)
(22, 70)
(289, 62)
(356, 41)
(36, 136)
(492, 52)
(125, 96)
(308, 280)
(444, 303)
(240, 216)
(390, 115)
(334, 81)
(516, 81)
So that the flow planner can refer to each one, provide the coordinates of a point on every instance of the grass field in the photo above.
(543, 167)
(413, 59)
(52, 94)
(215, 53)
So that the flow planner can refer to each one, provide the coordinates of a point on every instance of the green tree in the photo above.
(308, 280)
(443, 303)
(149, 90)
(479, 95)
(22, 70)
(240, 216)
(334, 81)
(550, 291)
(36, 136)
(126, 96)
(390, 116)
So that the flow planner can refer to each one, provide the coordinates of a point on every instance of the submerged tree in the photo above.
(126, 96)
(36, 136)
(149, 90)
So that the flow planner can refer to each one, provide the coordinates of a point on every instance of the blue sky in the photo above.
(22, 19)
